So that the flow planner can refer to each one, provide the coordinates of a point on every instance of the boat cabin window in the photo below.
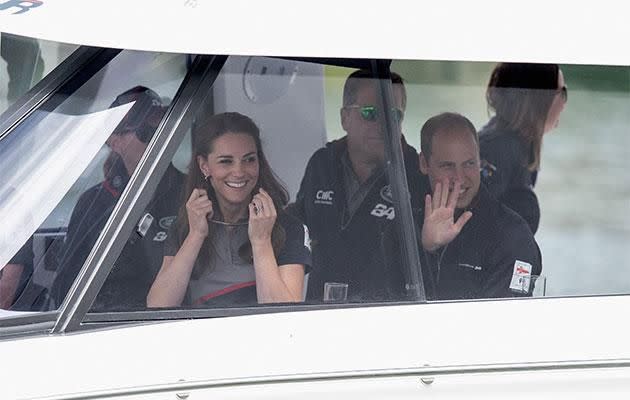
(279, 132)
(279, 184)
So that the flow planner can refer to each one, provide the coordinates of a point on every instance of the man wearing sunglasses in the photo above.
(345, 199)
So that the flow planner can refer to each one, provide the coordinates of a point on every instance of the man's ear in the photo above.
(424, 165)
(343, 114)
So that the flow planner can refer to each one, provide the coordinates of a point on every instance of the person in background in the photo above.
(132, 275)
(345, 199)
(527, 100)
(232, 244)
(25, 68)
(474, 247)
(25, 65)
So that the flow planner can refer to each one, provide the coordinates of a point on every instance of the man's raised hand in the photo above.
(439, 226)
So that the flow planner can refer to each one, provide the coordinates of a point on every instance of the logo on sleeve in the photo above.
(307, 238)
(324, 197)
(521, 277)
(166, 222)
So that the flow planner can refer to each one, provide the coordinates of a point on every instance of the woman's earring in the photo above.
(205, 176)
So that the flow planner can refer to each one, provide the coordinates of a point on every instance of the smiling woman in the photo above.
(232, 243)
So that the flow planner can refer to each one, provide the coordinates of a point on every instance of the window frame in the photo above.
(75, 70)
(397, 178)
(76, 313)
(136, 195)
(66, 78)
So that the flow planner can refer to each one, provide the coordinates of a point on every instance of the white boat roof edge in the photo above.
(486, 30)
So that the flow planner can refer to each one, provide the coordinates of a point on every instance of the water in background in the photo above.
(584, 192)
(583, 185)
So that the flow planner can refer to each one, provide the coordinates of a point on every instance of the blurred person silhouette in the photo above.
(131, 276)
(25, 65)
(527, 100)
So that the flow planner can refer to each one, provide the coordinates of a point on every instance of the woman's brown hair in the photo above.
(520, 96)
(203, 139)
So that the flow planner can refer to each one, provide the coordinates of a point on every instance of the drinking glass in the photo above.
(539, 285)
(335, 291)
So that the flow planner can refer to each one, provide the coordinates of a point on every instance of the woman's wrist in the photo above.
(260, 243)
(195, 238)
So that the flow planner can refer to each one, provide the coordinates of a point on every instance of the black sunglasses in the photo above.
(371, 113)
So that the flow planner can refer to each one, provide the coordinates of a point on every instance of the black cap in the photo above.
(144, 116)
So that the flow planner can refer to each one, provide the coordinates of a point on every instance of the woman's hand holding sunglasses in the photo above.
(262, 217)
(199, 209)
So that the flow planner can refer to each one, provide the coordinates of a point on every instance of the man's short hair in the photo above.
(362, 76)
(144, 116)
(447, 121)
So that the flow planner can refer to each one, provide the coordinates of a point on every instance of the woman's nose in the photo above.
(237, 168)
